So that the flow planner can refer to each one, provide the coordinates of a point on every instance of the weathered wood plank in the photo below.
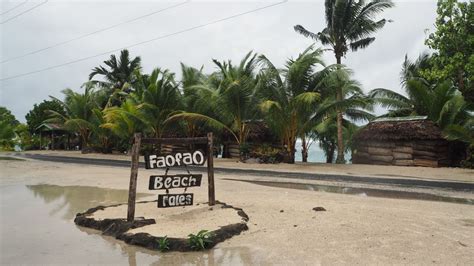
(380, 151)
(427, 163)
(403, 149)
(425, 153)
(403, 162)
(402, 156)
(382, 158)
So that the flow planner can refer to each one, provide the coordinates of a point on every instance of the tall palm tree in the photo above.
(355, 106)
(119, 75)
(289, 97)
(230, 93)
(349, 25)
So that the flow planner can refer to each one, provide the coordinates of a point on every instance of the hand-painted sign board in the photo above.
(178, 159)
(174, 181)
(175, 200)
(158, 182)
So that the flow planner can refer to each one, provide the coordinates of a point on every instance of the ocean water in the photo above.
(315, 153)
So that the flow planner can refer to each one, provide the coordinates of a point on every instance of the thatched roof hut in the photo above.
(403, 128)
(407, 141)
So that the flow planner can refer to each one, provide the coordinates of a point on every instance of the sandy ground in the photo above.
(426, 173)
(176, 222)
(283, 228)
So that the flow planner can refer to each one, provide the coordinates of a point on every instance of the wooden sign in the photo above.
(177, 159)
(174, 181)
(175, 200)
(177, 181)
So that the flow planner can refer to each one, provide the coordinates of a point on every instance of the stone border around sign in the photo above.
(118, 228)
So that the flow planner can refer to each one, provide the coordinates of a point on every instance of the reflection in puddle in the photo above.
(37, 227)
(365, 192)
(73, 199)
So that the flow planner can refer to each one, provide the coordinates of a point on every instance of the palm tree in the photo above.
(123, 121)
(355, 106)
(349, 26)
(230, 95)
(119, 75)
(158, 99)
(289, 97)
(79, 112)
(441, 103)
(198, 91)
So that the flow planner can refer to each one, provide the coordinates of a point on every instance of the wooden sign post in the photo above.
(175, 181)
(132, 189)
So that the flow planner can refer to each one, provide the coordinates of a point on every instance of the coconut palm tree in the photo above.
(355, 106)
(158, 99)
(289, 97)
(349, 25)
(230, 95)
(123, 121)
(119, 75)
(441, 103)
(79, 112)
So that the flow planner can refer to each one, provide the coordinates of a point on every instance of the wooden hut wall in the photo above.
(431, 153)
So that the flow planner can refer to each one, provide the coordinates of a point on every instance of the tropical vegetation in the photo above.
(305, 99)
(349, 25)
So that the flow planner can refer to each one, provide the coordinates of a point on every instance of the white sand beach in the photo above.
(283, 228)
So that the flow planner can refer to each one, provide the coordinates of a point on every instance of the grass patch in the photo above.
(3, 158)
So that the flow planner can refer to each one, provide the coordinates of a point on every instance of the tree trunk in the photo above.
(330, 153)
(291, 148)
(304, 149)
(340, 141)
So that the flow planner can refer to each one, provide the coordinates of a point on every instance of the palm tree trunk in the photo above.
(330, 153)
(340, 141)
(304, 149)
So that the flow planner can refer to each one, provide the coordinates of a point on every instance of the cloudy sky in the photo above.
(268, 31)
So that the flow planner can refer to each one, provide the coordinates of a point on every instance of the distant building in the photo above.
(405, 141)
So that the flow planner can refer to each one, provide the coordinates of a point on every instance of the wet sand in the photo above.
(283, 228)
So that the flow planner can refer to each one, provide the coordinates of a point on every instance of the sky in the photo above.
(267, 31)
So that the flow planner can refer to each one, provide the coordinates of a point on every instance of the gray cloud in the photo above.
(268, 31)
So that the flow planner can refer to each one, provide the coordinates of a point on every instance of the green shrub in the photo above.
(201, 240)
(163, 244)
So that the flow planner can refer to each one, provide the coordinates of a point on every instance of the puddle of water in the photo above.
(37, 227)
(364, 192)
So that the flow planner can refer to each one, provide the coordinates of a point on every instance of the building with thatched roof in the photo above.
(406, 141)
